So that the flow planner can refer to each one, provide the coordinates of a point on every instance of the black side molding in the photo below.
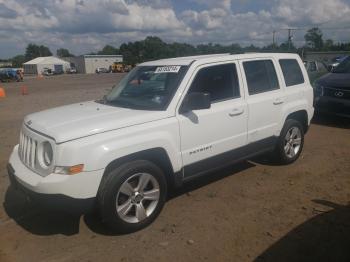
(230, 157)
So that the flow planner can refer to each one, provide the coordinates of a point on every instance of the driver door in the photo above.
(209, 136)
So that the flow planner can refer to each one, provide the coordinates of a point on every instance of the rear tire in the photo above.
(290, 143)
(132, 196)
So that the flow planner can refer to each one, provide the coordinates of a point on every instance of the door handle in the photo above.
(236, 112)
(278, 101)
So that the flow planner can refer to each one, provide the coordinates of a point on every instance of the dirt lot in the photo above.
(250, 211)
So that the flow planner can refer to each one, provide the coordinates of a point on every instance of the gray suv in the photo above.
(332, 91)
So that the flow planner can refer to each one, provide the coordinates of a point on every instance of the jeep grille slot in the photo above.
(27, 150)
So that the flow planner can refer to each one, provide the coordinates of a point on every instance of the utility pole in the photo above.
(273, 39)
(289, 38)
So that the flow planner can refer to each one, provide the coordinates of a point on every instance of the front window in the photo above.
(147, 87)
(343, 67)
(220, 81)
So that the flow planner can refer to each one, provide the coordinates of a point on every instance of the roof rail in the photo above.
(237, 53)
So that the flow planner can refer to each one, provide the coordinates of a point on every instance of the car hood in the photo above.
(88, 118)
(335, 80)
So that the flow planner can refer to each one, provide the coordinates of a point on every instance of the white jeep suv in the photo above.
(166, 122)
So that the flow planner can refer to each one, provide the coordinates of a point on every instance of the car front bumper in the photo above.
(332, 105)
(74, 193)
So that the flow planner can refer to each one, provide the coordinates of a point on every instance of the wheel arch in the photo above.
(157, 156)
(302, 117)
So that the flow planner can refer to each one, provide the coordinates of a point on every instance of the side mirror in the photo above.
(196, 101)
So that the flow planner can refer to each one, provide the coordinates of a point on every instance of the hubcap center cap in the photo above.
(137, 198)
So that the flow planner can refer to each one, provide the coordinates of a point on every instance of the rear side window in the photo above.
(220, 81)
(261, 76)
(292, 72)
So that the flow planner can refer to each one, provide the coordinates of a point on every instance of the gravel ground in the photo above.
(253, 211)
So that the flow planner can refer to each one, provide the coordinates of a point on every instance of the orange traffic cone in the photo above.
(24, 90)
(2, 92)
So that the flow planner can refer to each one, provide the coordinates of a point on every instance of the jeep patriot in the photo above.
(164, 123)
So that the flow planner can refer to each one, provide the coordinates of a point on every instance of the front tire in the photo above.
(290, 142)
(132, 196)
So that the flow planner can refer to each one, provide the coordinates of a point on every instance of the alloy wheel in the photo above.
(292, 142)
(137, 197)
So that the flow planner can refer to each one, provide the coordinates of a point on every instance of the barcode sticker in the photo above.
(167, 69)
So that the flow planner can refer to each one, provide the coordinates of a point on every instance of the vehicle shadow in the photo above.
(331, 121)
(209, 178)
(37, 220)
(325, 237)
(40, 221)
(95, 225)
(267, 159)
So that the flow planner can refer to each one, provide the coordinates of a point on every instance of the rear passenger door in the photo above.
(264, 98)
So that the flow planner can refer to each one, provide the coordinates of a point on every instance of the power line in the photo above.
(335, 28)
(290, 31)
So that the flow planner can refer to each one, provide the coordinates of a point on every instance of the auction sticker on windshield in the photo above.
(167, 69)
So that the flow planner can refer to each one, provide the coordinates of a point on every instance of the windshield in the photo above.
(147, 87)
(343, 67)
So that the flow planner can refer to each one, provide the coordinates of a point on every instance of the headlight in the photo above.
(45, 154)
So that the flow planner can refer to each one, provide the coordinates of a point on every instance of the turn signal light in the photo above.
(69, 170)
(76, 169)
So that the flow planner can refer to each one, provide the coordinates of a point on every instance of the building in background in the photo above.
(40, 64)
(87, 64)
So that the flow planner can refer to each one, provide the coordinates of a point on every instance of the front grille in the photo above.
(336, 93)
(28, 150)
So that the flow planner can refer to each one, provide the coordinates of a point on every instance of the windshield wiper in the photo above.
(103, 100)
(122, 103)
(125, 103)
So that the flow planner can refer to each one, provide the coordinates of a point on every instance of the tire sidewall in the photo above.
(110, 189)
(290, 123)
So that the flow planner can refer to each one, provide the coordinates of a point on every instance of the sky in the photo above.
(84, 26)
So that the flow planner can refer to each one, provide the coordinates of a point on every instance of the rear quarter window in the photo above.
(292, 72)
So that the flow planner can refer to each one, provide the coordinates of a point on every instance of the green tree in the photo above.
(63, 52)
(234, 48)
(133, 53)
(251, 48)
(153, 48)
(181, 49)
(313, 38)
(18, 60)
(328, 45)
(109, 50)
(34, 51)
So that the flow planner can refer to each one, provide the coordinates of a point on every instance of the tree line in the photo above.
(152, 48)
